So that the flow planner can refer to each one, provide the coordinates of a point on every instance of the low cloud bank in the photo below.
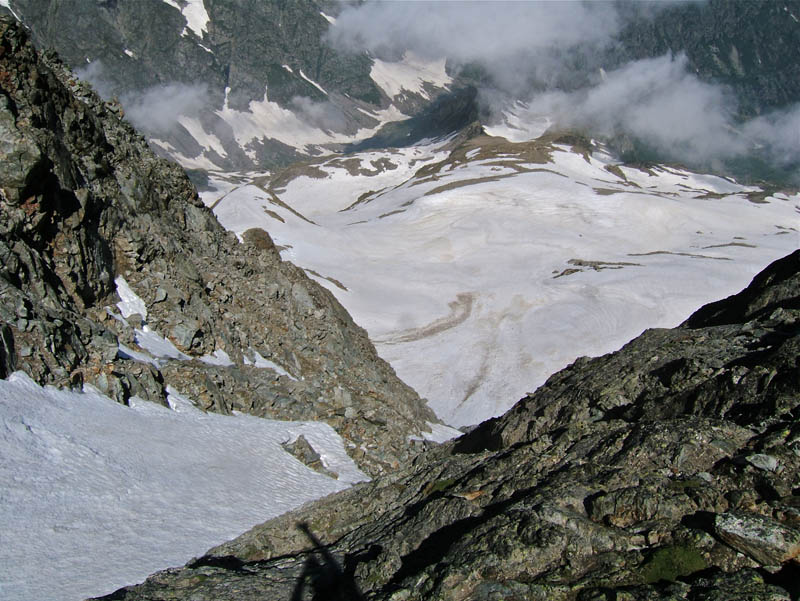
(154, 110)
(547, 54)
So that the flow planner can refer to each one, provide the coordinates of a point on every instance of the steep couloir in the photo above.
(84, 203)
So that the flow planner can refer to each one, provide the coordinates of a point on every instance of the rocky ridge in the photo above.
(85, 202)
(666, 470)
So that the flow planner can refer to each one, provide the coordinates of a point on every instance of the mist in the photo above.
(154, 110)
(513, 40)
(324, 115)
(548, 55)
(157, 109)
(656, 100)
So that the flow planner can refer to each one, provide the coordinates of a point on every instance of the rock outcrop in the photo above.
(666, 470)
(84, 202)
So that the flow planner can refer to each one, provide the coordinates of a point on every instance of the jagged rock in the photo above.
(617, 479)
(763, 462)
(303, 450)
(85, 201)
(767, 541)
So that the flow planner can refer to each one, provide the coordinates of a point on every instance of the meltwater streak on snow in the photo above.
(457, 286)
(87, 482)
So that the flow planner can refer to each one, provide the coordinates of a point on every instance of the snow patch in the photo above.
(312, 82)
(203, 138)
(195, 13)
(409, 75)
(218, 357)
(441, 433)
(128, 353)
(130, 302)
(519, 124)
(88, 482)
(266, 119)
(158, 346)
(261, 362)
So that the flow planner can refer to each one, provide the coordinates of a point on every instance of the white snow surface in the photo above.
(206, 140)
(441, 433)
(457, 287)
(312, 82)
(157, 345)
(409, 75)
(130, 302)
(218, 357)
(266, 119)
(195, 13)
(262, 363)
(519, 124)
(88, 482)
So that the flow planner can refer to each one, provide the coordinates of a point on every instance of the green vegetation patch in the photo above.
(671, 563)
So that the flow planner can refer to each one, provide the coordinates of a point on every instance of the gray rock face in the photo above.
(765, 540)
(84, 201)
(623, 477)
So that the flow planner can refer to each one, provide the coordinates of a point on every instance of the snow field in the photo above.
(88, 482)
(454, 277)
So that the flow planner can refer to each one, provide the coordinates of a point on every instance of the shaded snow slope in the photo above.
(481, 272)
(90, 482)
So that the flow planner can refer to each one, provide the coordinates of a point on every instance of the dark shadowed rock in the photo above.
(629, 476)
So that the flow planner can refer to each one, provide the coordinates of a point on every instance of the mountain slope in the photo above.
(231, 84)
(88, 211)
(668, 469)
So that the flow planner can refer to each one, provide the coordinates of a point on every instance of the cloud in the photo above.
(656, 100)
(324, 115)
(550, 56)
(510, 39)
(777, 132)
(156, 109)
(95, 73)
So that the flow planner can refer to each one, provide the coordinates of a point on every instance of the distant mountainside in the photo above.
(114, 274)
(666, 470)
(753, 47)
(210, 61)
(243, 85)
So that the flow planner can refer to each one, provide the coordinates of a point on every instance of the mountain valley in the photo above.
(336, 257)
